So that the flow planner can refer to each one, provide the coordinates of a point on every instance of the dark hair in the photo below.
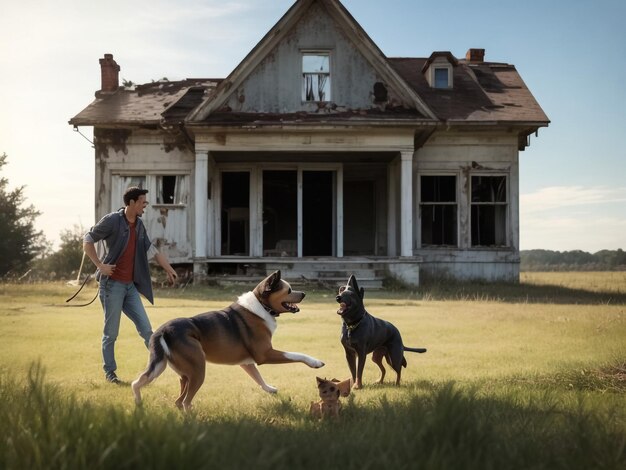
(133, 193)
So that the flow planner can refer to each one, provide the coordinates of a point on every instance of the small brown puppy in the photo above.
(330, 391)
(240, 334)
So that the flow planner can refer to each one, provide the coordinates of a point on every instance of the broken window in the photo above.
(438, 210)
(172, 189)
(316, 76)
(489, 210)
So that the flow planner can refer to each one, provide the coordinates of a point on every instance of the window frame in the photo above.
(328, 75)
(506, 204)
(440, 64)
(178, 176)
(455, 204)
(447, 72)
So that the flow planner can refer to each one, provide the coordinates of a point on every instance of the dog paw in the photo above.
(270, 389)
(316, 364)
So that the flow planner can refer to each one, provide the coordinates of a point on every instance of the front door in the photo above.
(280, 213)
(298, 211)
(235, 213)
(359, 216)
(318, 213)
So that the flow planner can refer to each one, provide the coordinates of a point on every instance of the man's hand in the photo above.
(171, 275)
(106, 269)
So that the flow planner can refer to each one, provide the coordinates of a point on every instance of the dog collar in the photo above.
(269, 310)
(354, 326)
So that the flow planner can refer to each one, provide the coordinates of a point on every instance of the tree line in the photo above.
(575, 260)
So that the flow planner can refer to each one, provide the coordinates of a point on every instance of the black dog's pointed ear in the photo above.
(352, 282)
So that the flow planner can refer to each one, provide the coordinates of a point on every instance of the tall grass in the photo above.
(431, 426)
(516, 376)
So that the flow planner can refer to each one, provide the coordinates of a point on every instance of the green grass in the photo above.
(525, 376)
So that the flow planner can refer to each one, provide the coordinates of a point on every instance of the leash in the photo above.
(78, 291)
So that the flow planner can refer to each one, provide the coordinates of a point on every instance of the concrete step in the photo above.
(332, 283)
(312, 274)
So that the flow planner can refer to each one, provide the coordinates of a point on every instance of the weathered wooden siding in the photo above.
(464, 155)
(124, 156)
(275, 86)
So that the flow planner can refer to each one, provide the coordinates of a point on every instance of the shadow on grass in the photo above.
(437, 290)
(429, 426)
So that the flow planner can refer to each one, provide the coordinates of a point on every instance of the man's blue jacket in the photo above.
(113, 230)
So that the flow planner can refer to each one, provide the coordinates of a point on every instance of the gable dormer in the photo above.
(439, 69)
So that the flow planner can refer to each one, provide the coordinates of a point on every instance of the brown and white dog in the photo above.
(240, 334)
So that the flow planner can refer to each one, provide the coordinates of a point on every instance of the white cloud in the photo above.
(573, 218)
(555, 197)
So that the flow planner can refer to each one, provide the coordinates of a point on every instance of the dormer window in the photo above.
(441, 77)
(316, 76)
(438, 70)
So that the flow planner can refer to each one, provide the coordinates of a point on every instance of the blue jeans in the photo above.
(118, 297)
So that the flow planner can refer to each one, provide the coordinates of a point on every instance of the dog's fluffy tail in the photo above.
(415, 350)
(156, 364)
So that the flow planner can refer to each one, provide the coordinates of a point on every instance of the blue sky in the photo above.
(571, 54)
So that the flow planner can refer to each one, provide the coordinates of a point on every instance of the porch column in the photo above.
(339, 208)
(392, 207)
(201, 202)
(406, 203)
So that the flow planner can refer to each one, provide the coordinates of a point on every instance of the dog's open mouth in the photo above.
(293, 308)
(342, 308)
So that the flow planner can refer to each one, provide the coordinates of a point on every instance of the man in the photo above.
(123, 272)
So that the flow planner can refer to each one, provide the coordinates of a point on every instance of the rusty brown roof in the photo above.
(481, 92)
(146, 104)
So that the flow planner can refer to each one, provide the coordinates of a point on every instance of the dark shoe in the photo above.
(111, 377)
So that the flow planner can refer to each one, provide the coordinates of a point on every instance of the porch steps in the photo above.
(331, 275)
(332, 283)
(318, 273)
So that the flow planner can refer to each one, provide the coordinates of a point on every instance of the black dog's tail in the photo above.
(416, 350)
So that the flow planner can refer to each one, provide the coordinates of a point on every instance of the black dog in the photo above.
(363, 333)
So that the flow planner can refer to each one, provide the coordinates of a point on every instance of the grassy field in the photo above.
(516, 376)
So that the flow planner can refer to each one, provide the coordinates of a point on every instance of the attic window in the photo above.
(316, 76)
(438, 70)
(442, 77)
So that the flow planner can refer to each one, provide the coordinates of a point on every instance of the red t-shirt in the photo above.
(125, 265)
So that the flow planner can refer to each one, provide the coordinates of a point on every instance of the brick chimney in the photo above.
(475, 55)
(110, 73)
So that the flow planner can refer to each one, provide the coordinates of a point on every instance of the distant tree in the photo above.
(612, 258)
(65, 262)
(20, 243)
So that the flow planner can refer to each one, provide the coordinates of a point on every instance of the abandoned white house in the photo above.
(321, 156)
